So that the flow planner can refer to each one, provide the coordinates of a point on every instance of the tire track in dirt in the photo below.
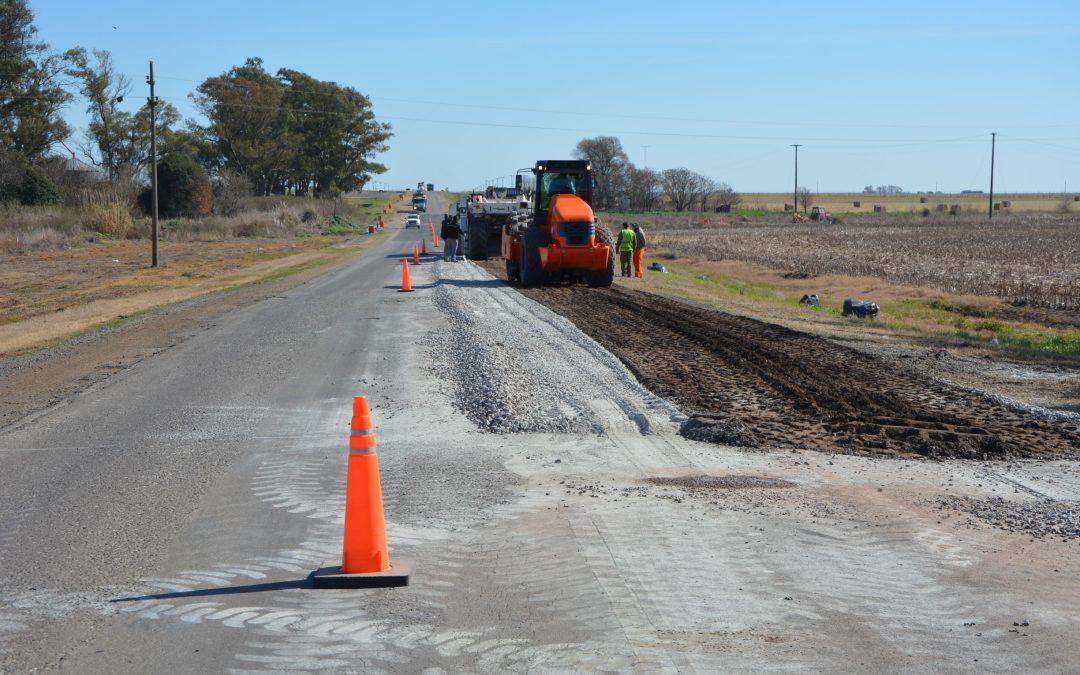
(746, 382)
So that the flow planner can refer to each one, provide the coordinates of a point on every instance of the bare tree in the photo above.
(643, 187)
(609, 164)
(707, 187)
(725, 195)
(806, 198)
(682, 186)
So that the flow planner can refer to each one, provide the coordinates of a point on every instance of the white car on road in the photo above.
(412, 220)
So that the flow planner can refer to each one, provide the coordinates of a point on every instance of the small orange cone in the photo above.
(423, 247)
(406, 284)
(415, 255)
(365, 557)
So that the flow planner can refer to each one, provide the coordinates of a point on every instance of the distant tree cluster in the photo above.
(883, 189)
(620, 184)
(287, 133)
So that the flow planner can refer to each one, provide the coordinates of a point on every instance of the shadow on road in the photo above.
(226, 590)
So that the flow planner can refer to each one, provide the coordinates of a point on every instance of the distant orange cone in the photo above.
(365, 557)
(423, 247)
(415, 255)
(406, 284)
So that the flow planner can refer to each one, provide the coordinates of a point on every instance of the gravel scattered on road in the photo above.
(1039, 518)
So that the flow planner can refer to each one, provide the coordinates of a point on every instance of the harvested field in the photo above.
(1025, 259)
(745, 382)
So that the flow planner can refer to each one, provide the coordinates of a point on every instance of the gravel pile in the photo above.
(516, 367)
(1040, 518)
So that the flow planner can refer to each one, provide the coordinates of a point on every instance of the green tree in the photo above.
(33, 82)
(247, 125)
(109, 128)
(335, 133)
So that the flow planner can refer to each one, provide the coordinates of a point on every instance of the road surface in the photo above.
(167, 518)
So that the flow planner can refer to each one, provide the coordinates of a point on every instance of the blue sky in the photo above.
(901, 93)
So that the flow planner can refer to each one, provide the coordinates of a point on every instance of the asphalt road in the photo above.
(166, 519)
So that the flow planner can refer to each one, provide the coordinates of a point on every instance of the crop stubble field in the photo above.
(1027, 259)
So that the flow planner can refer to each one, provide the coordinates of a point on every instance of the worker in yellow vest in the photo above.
(625, 246)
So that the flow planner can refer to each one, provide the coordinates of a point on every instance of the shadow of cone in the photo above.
(365, 558)
(406, 284)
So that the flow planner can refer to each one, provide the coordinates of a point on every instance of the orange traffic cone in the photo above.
(423, 247)
(415, 255)
(365, 557)
(406, 284)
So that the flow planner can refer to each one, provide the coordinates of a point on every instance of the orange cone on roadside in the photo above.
(365, 557)
(415, 254)
(406, 284)
(423, 247)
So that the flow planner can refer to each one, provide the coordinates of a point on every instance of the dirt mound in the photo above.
(746, 382)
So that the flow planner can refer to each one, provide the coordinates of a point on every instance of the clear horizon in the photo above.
(873, 94)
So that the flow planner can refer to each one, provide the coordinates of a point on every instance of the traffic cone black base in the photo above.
(329, 575)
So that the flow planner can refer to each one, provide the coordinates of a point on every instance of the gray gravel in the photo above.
(516, 366)
(1040, 518)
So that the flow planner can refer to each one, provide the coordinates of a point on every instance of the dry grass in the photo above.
(1026, 259)
(106, 211)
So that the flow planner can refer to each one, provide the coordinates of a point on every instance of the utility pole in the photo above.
(795, 194)
(153, 170)
(645, 149)
(993, 140)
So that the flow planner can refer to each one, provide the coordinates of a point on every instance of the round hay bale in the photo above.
(856, 204)
(1076, 198)
(954, 209)
(1005, 203)
(942, 207)
(878, 208)
(997, 206)
(925, 212)
(922, 200)
(789, 207)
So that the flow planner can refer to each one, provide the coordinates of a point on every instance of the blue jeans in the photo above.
(450, 252)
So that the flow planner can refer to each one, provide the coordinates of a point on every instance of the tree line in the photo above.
(281, 133)
(621, 185)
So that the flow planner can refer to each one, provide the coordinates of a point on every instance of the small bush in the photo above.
(37, 189)
(310, 216)
(183, 189)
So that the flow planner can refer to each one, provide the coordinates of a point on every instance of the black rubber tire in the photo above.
(478, 240)
(529, 270)
(607, 277)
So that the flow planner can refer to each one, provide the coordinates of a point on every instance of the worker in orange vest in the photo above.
(639, 250)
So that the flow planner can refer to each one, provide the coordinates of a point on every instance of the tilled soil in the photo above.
(746, 382)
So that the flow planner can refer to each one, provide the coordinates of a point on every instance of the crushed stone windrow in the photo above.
(517, 367)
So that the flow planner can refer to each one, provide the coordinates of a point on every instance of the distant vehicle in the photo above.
(412, 220)
(658, 267)
(419, 202)
(431, 187)
(819, 213)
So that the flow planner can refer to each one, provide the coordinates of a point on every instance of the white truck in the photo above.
(481, 216)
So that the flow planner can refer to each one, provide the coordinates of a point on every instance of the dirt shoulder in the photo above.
(69, 319)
